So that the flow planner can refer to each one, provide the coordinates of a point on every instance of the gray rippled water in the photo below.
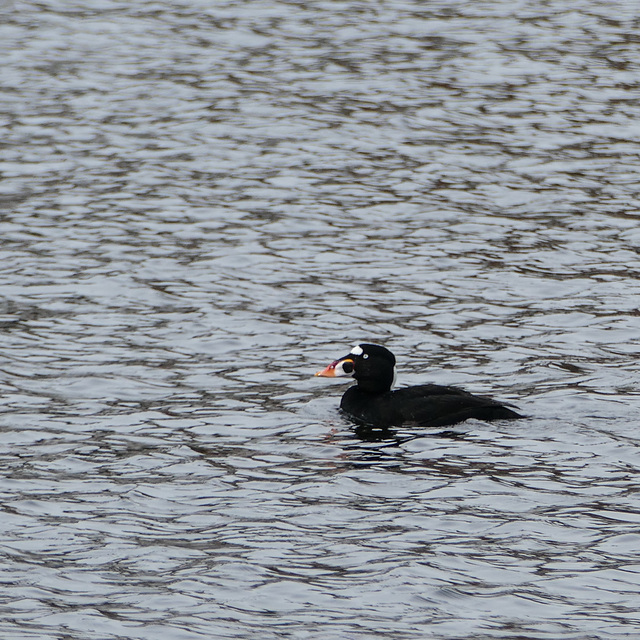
(202, 203)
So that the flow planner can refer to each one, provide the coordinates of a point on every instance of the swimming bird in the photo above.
(371, 401)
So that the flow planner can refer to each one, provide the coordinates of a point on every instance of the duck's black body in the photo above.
(427, 405)
(371, 402)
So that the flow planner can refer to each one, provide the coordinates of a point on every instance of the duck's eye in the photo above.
(365, 356)
(347, 366)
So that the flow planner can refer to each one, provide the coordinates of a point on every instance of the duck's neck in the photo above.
(377, 385)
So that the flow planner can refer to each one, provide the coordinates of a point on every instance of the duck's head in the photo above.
(372, 366)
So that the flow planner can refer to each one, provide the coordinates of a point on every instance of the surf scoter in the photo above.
(371, 402)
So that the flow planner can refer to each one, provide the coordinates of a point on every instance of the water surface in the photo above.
(202, 204)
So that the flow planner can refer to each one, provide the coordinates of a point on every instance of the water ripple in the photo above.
(203, 204)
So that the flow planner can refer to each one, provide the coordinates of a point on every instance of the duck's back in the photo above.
(427, 405)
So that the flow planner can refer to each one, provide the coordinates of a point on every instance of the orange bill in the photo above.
(330, 371)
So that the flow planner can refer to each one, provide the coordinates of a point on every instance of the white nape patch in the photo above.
(357, 350)
(395, 376)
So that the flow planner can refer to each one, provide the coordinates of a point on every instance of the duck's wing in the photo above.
(432, 405)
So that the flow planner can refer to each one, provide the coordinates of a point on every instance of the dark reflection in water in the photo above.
(201, 202)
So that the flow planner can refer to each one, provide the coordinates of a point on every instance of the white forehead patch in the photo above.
(357, 350)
